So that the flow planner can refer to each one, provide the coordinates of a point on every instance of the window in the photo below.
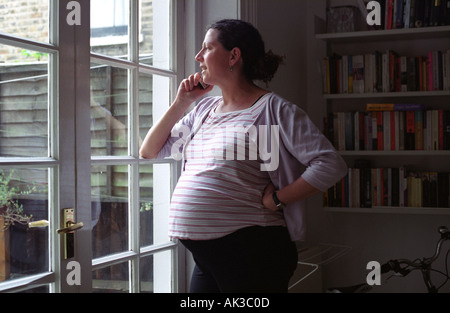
(67, 143)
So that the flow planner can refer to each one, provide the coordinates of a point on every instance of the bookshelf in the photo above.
(408, 94)
(402, 153)
(388, 34)
(411, 42)
(391, 210)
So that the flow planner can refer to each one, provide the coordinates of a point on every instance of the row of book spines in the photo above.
(415, 13)
(386, 72)
(391, 187)
(389, 130)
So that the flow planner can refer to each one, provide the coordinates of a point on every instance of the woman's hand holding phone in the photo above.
(191, 89)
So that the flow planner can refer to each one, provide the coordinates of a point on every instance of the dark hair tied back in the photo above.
(258, 65)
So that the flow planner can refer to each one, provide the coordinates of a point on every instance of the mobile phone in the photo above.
(202, 84)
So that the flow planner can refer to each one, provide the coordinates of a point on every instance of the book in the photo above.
(441, 129)
(401, 130)
(446, 129)
(345, 74)
(418, 126)
(374, 176)
(387, 134)
(386, 72)
(380, 130)
(407, 14)
(367, 187)
(374, 131)
(389, 14)
(349, 131)
(395, 187)
(443, 190)
(394, 107)
(411, 74)
(427, 130)
(402, 187)
(350, 73)
(404, 73)
(358, 73)
(398, 14)
(427, 12)
(434, 130)
(410, 131)
(435, 14)
(368, 73)
(389, 130)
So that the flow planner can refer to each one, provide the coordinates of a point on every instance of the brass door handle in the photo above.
(71, 226)
(39, 224)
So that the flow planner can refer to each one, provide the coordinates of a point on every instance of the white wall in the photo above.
(282, 26)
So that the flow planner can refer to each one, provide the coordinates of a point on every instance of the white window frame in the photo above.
(160, 95)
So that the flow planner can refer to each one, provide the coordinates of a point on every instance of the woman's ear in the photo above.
(235, 56)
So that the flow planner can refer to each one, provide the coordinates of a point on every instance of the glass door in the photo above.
(80, 84)
(29, 167)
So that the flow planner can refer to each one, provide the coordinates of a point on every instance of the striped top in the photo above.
(221, 188)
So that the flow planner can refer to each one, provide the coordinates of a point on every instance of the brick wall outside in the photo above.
(29, 19)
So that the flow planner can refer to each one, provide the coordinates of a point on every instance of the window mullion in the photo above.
(134, 238)
(133, 146)
(53, 144)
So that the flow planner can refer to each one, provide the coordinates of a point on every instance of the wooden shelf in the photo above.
(391, 34)
(442, 93)
(409, 153)
(391, 210)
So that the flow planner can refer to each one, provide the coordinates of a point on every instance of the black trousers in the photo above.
(251, 260)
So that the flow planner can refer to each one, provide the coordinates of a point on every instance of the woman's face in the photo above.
(214, 59)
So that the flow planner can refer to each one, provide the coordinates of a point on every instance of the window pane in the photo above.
(155, 33)
(153, 89)
(23, 199)
(145, 104)
(27, 19)
(156, 273)
(109, 27)
(146, 204)
(113, 279)
(109, 185)
(109, 111)
(23, 103)
(154, 203)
